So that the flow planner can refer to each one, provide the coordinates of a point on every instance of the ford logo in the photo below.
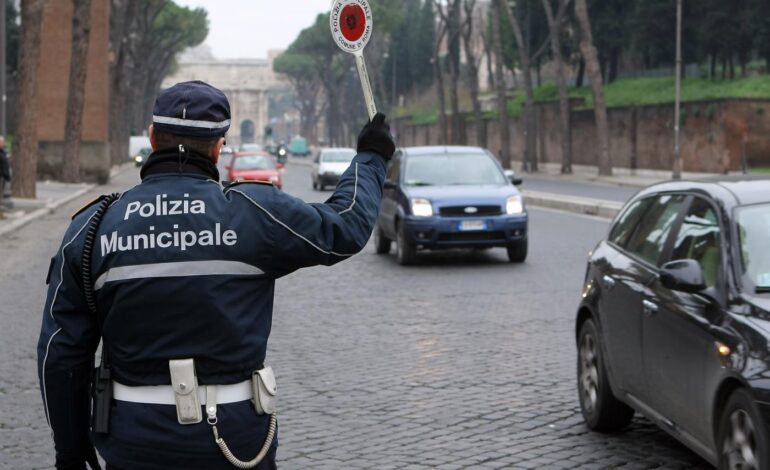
(471, 210)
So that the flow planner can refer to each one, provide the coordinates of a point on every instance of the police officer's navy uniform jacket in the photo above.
(186, 269)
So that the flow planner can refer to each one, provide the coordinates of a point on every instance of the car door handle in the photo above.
(649, 308)
(608, 282)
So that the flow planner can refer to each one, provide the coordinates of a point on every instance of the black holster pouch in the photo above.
(101, 394)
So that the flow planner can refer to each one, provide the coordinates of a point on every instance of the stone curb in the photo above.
(51, 207)
(575, 204)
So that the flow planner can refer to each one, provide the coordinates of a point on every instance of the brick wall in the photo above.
(53, 83)
(715, 135)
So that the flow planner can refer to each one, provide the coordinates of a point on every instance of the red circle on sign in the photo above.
(352, 22)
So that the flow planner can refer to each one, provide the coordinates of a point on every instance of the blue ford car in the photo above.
(450, 197)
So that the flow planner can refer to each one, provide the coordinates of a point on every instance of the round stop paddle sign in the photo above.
(351, 24)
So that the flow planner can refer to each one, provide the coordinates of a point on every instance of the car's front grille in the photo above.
(471, 236)
(470, 211)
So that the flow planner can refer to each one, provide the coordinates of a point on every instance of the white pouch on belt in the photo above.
(265, 388)
(185, 385)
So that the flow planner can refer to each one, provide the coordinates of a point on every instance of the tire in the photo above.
(517, 251)
(406, 251)
(381, 242)
(742, 440)
(601, 410)
(322, 186)
(315, 186)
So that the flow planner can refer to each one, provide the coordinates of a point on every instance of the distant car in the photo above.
(450, 197)
(298, 146)
(329, 165)
(142, 156)
(254, 166)
(250, 148)
(674, 319)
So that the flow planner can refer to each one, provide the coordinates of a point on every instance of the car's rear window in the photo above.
(754, 236)
(338, 156)
(452, 169)
(253, 162)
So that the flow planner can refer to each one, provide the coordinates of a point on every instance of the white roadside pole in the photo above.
(351, 25)
(677, 174)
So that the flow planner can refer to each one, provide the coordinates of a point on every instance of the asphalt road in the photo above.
(464, 361)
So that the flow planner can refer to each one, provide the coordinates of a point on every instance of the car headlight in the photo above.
(514, 205)
(138, 159)
(422, 208)
(274, 179)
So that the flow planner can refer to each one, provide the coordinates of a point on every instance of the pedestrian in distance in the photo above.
(5, 175)
(176, 276)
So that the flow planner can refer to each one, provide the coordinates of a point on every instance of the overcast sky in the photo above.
(248, 28)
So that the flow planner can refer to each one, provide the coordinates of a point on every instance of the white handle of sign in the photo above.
(371, 108)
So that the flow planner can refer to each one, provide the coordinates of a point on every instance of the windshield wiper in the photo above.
(418, 183)
(762, 289)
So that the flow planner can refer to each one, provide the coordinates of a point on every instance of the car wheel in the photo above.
(517, 251)
(381, 242)
(406, 251)
(743, 438)
(322, 186)
(315, 186)
(601, 410)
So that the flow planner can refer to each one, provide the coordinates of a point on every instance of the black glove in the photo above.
(70, 462)
(375, 137)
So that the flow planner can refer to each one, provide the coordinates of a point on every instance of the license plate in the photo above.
(471, 225)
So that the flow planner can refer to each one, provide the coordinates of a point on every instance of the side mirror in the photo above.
(280, 166)
(390, 184)
(511, 175)
(228, 167)
(684, 275)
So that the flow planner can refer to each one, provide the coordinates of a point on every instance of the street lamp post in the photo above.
(2, 68)
(677, 105)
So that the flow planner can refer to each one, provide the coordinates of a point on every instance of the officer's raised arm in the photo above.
(311, 234)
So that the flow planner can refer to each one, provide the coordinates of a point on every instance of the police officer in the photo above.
(177, 277)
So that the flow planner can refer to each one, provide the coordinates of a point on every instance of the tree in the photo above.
(556, 25)
(597, 86)
(525, 58)
(26, 144)
(145, 38)
(81, 32)
(502, 97)
(12, 32)
(451, 17)
(439, 74)
(299, 69)
(473, 51)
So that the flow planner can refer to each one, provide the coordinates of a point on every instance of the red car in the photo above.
(255, 166)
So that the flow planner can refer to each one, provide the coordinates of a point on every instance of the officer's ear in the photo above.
(151, 133)
(217, 150)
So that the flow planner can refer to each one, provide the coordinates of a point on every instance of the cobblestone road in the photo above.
(464, 361)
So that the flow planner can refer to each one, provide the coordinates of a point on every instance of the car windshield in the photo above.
(251, 147)
(253, 162)
(338, 156)
(452, 169)
(753, 230)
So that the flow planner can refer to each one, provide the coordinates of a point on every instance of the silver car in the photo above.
(329, 165)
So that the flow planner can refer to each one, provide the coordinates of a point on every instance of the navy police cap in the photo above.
(192, 109)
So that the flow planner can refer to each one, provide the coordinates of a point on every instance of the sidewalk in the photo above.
(50, 196)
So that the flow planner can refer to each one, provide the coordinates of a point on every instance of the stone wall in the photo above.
(53, 88)
(715, 135)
